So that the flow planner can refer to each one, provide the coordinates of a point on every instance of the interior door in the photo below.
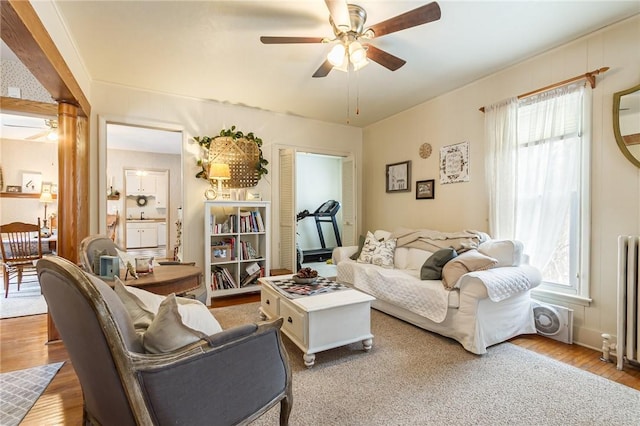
(287, 210)
(348, 202)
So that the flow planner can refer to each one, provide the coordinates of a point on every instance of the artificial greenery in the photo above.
(205, 143)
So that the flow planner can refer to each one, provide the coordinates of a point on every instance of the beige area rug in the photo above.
(27, 301)
(414, 377)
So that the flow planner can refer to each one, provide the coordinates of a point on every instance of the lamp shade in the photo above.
(46, 197)
(219, 171)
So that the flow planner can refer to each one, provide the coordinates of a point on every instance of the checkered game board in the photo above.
(283, 284)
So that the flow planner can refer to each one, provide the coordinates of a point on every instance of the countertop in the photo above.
(145, 220)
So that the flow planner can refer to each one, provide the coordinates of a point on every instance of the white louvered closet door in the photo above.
(287, 210)
(348, 202)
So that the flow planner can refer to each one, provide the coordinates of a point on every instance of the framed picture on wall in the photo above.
(46, 187)
(425, 189)
(31, 182)
(398, 177)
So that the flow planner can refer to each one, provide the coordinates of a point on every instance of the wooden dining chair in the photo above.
(21, 248)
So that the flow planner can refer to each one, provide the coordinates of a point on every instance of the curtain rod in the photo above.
(590, 76)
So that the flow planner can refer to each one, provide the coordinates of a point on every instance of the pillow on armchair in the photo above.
(166, 323)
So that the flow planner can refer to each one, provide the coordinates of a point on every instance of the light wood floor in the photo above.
(22, 346)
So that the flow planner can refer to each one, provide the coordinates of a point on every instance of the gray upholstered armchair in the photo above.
(233, 378)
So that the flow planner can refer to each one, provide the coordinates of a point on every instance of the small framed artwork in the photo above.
(46, 188)
(221, 253)
(31, 182)
(425, 189)
(398, 177)
(14, 188)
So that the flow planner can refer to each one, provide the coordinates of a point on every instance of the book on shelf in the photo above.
(259, 221)
(222, 279)
(250, 278)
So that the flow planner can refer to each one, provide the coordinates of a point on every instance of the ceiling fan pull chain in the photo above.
(357, 93)
(348, 96)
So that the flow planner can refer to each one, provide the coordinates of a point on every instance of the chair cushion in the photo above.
(468, 261)
(177, 325)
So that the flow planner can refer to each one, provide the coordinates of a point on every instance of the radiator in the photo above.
(628, 327)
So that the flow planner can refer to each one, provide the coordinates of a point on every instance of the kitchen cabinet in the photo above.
(141, 234)
(162, 234)
(161, 191)
(140, 184)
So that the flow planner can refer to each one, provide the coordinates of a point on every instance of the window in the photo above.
(547, 206)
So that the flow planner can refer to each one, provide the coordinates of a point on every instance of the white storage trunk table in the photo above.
(321, 321)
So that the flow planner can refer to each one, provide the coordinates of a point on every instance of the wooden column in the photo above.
(67, 178)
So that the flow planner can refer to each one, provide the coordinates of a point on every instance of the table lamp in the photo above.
(46, 198)
(219, 172)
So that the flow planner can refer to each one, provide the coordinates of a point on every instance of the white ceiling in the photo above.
(211, 49)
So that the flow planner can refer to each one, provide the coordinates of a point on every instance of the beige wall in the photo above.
(199, 118)
(17, 157)
(454, 117)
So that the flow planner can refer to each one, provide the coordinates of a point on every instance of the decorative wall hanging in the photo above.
(31, 182)
(425, 189)
(399, 177)
(454, 163)
(241, 152)
(425, 150)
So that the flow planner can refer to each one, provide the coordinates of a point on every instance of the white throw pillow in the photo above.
(378, 253)
(468, 261)
(177, 325)
(140, 304)
(507, 252)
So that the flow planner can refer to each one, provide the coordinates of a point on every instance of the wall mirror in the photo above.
(626, 122)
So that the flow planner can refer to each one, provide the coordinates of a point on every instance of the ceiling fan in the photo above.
(49, 129)
(351, 37)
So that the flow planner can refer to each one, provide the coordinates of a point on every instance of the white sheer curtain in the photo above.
(501, 161)
(549, 140)
(533, 169)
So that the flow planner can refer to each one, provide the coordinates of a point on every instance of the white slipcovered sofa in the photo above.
(488, 299)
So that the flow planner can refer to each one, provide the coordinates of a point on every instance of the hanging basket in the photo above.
(241, 152)
(242, 156)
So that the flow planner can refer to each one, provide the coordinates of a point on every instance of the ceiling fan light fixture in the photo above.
(360, 64)
(357, 53)
(336, 55)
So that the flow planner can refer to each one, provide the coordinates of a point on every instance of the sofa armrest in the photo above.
(340, 254)
(499, 283)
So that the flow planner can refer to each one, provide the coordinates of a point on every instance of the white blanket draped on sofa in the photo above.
(485, 307)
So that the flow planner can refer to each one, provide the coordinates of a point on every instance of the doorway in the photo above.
(143, 185)
(308, 181)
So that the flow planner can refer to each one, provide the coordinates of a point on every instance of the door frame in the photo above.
(275, 195)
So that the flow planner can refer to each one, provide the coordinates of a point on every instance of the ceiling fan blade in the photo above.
(385, 59)
(422, 15)
(339, 14)
(287, 40)
(37, 135)
(324, 69)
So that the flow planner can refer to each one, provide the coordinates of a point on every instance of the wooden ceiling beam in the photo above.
(24, 33)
